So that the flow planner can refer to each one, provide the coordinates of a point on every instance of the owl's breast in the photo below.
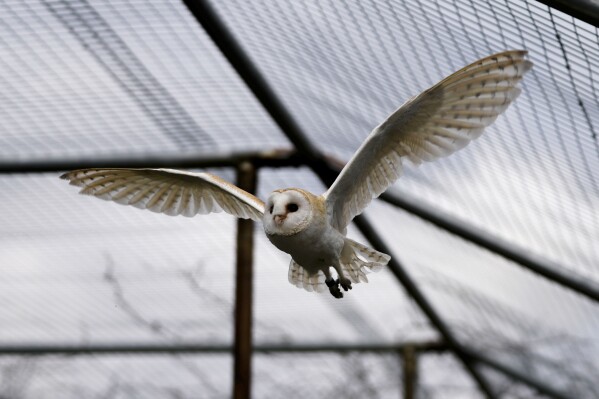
(316, 245)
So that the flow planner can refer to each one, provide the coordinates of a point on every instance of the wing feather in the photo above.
(434, 124)
(167, 191)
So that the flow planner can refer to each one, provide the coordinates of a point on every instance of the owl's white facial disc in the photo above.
(287, 212)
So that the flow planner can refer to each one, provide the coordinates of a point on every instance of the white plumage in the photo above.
(434, 124)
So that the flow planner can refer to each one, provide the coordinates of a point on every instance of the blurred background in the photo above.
(494, 287)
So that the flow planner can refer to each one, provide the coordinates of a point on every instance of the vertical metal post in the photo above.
(409, 357)
(242, 350)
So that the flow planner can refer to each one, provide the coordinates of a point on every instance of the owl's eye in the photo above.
(292, 207)
(271, 208)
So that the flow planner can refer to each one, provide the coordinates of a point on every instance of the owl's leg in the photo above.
(344, 281)
(332, 284)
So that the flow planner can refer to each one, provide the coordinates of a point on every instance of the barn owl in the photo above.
(312, 228)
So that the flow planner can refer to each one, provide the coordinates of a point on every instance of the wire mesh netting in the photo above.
(106, 79)
(115, 376)
(122, 79)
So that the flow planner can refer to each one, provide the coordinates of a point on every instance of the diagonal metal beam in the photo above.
(207, 16)
(414, 291)
(541, 385)
(543, 267)
(466, 354)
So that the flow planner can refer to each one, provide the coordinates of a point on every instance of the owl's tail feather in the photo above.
(357, 260)
(301, 278)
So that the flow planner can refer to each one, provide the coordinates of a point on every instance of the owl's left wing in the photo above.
(434, 124)
(168, 191)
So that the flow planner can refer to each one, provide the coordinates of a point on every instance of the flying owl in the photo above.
(312, 228)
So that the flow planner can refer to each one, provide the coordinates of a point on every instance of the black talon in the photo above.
(334, 288)
(332, 283)
(346, 287)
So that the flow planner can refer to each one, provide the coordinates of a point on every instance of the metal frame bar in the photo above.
(543, 267)
(539, 384)
(242, 349)
(585, 10)
(209, 20)
(277, 158)
(158, 348)
(409, 372)
(582, 9)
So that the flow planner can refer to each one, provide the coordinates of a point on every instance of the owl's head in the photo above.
(287, 212)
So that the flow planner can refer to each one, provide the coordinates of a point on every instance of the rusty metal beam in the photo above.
(242, 349)
(409, 356)
(541, 267)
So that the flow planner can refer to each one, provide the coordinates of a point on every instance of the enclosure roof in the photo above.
(86, 82)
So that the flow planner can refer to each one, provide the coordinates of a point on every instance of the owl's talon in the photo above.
(345, 283)
(334, 287)
(331, 282)
(336, 292)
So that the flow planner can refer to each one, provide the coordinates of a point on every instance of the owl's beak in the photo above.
(279, 219)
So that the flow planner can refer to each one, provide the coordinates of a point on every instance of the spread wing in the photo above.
(168, 191)
(434, 124)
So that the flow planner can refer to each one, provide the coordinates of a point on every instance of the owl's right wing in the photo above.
(434, 124)
(168, 191)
